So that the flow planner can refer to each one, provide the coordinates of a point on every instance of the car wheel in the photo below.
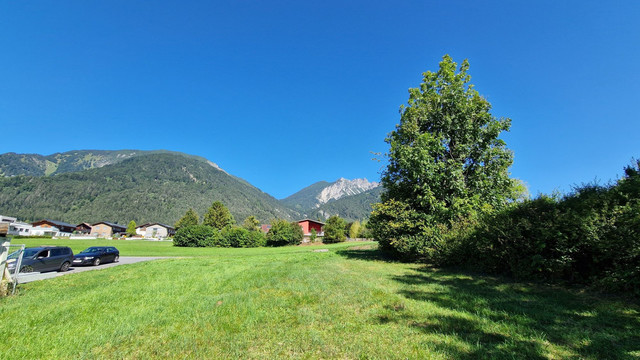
(26, 269)
(65, 266)
(116, 258)
(96, 262)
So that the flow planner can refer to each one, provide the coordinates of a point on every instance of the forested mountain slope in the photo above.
(150, 187)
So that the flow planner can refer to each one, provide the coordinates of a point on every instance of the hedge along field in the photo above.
(292, 302)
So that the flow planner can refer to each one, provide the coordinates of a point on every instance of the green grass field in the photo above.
(348, 303)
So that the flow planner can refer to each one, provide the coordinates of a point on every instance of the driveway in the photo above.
(124, 260)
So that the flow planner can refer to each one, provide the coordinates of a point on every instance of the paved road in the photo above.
(124, 260)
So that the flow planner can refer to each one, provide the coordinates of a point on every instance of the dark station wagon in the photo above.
(44, 258)
(96, 255)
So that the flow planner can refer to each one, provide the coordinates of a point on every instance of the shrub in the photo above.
(197, 236)
(334, 230)
(240, 237)
(284, 233)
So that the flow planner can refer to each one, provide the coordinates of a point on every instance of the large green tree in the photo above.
(334, 230)
(218, 216)
(131, 228)
(446, 162)
(190, 218)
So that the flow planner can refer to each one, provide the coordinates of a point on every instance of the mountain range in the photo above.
(123, 185)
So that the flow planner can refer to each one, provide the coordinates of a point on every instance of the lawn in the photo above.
(292, 302)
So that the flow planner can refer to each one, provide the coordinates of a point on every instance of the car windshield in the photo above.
(91, 250)
(30, 252)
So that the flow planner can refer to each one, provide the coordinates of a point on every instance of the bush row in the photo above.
(207, 236)
(590, 237)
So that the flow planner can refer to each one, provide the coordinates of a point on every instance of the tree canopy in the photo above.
(218, 216)
(446, 160)
(334, 230)
(190, 218)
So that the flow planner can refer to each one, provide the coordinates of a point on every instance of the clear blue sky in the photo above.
(287, 93)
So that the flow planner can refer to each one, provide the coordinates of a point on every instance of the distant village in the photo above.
(107, 230)
(103, 229)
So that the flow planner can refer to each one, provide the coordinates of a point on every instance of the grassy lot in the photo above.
(294, 303)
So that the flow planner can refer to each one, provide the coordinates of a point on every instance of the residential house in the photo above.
(52, 228)
(105, 229)
(20, 228)
(7, 219)
(307, 225)
(142, 229)
(158, 231)
(84, 228)
(265, 228)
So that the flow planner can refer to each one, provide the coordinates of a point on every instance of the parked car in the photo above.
(96, 255)
(44, 258)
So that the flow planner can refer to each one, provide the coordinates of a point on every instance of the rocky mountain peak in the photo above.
(344, 187)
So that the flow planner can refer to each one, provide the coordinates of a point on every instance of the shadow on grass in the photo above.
(369, 252)
(512, 320)
(482, 317)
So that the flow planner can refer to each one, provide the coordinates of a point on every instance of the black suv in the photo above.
(44, 258)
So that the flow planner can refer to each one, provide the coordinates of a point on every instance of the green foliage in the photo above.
(251, 223)
(354, 229)
(239, 237)
(190, 218)
(334, 230)
(284, 233)
(591, 236)
(313, 234)
(131, 228)
(446, 163)
(218, 216)
(197, 236)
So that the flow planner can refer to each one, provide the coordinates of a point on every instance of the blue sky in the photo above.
(287, 93)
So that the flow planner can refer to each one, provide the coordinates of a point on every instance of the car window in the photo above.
(43, 253)
(57, 252)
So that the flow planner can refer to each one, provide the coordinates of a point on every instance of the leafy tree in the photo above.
(283, 233)
(190, 218)
(354, 230)
(334, 230)
(131, 228)
(251, 223)
(446, 162)
(218, 216)
(313, 234)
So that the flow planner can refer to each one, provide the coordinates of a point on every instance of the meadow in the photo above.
(291, 302)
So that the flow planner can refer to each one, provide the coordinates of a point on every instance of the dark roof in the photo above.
(161, 224)
(59, 223)
(315, 221)
(110, 224)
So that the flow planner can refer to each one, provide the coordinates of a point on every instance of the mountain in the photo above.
(142, 186)
(313, 196)
(350, 208)
(12, 164)
(350, 199)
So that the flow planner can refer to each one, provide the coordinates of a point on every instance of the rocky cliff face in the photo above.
(344, 187)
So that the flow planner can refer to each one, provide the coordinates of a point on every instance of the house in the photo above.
(142, 229)
(52, 228)
(7, 219)
(265, 228)
(105, 229)
(307, 225)
(158, 230)
(83, 228)
(20, 228)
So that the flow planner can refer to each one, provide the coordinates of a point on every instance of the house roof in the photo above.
(58, 223)
(309, 220)
(161, 224)
(110, 224)
(85, 224)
